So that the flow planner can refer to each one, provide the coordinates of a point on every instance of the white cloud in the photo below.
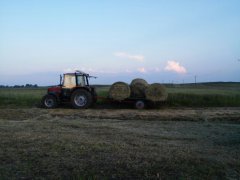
(139, 58)
(128, 71)
(69, 70)
(176, 67)
(84, 69)
(142, 70)
(93, 71)
(156, 69)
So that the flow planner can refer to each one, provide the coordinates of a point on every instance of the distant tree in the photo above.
(31, 86)
(28, 85)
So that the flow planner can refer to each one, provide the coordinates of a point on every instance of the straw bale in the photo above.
(119, 91)
(156, 92)
(138, 87)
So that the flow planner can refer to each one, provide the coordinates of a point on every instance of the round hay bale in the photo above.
(119, 91)
(138, 87)
(156, 92)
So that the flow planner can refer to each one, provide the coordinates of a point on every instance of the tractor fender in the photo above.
(55, 95)
(83, 88)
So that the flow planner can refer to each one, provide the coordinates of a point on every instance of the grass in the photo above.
(204, 95)
(46, 147)
(64, 143)
(189, 95)
(203, 100)
(21, 97)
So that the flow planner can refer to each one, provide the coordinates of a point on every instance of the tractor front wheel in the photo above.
(81, 99)
(49, 101)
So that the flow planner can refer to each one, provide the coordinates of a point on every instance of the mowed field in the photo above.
(194, 135)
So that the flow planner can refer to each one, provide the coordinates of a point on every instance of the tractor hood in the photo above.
(55, 90)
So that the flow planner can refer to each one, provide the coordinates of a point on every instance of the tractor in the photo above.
(73, 88)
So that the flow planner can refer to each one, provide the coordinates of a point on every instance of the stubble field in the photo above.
(173, 141)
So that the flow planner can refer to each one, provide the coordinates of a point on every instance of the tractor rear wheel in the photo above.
(81, 99)
(49, 101)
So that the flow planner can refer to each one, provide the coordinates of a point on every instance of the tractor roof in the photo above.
(78, 73)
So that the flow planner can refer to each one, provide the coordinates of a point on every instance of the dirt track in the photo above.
(177, 114)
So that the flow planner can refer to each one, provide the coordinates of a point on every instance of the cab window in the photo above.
(69, 81)
(81, 80)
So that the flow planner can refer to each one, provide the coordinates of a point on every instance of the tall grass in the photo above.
(207, 95)
(21, 97)
(202, 100)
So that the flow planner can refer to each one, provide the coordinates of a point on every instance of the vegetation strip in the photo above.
(187, 95)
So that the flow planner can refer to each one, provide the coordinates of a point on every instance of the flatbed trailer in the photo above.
(138, 103)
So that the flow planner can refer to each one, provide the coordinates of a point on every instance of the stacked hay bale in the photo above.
(156, 92)
(119, 91)
(138, 89)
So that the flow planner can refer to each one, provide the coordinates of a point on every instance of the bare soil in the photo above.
(63, 143)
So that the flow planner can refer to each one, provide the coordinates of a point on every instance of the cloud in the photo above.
(128, 71)
(176, 67)
(142, 70)
(84, 69)
(70, 70)
(93, 71)
(139, 58)
(156, 69)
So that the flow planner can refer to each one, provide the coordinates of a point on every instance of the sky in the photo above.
(165, 41)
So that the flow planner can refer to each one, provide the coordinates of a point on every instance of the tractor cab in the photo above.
(74, 88)
(71, 80)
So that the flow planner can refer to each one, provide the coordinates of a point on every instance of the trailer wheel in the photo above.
(139, 104)
(81, 99)
(49, 101)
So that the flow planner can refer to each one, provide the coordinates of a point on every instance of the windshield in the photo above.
(81, 80)
(69, 81)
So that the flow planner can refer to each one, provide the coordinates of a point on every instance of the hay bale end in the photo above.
(119, 91)
(156, 92)
(138, 87)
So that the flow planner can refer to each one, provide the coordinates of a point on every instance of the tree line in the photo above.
(20, 86)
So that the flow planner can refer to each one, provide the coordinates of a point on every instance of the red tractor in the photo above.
(74, 88)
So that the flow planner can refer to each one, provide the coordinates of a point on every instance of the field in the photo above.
(187, 95)
(195, 135)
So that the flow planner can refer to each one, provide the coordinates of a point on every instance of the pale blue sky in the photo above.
(159, 40)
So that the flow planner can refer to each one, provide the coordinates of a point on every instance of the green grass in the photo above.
(21, 97)
(189, 95)
(208, 94)
(203, 100)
